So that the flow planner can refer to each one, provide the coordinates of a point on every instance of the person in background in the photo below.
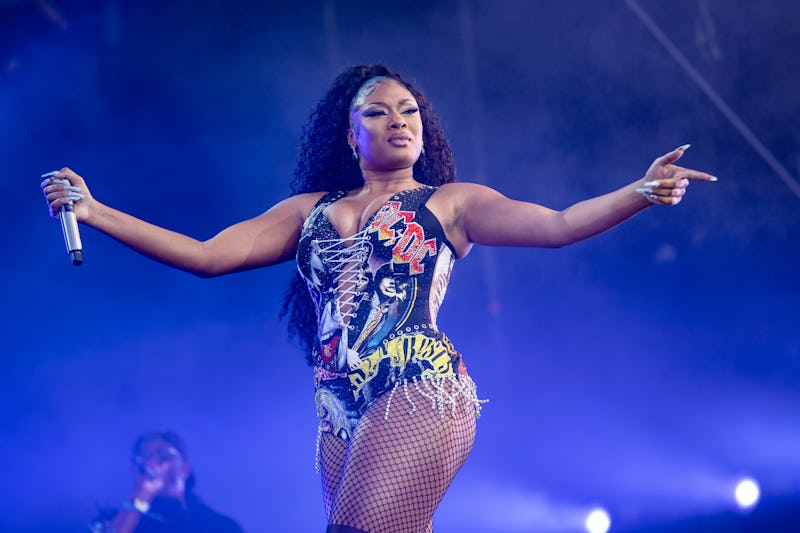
(163, 499)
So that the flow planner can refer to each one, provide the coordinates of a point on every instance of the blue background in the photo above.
(644, 371)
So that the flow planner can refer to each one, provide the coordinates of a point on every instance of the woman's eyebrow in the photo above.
(401, 102)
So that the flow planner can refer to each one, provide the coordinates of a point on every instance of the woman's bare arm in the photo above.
(484, 216)
(264, 240)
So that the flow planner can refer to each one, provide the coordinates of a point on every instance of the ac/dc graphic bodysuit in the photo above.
(377, 294)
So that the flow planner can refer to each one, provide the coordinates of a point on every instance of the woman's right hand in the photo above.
(63, 187)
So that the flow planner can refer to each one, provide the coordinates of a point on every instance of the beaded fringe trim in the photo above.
(434, 389)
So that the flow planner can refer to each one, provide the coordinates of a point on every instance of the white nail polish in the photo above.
(651, 184)
(684, 147)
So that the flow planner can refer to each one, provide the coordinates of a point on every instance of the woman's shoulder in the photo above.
(462, 190)
(463, 186)
(296, 207)
(308, 196)
(304, 201)
(451, 200)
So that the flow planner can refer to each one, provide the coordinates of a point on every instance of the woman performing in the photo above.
(375, 224)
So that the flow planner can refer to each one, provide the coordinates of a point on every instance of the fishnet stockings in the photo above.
(395, 471)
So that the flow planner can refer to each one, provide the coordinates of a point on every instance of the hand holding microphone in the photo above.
(149, 484)
(61, 194)
(148, 472)
(150, 481)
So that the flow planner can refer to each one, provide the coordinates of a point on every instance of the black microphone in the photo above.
(72, 237)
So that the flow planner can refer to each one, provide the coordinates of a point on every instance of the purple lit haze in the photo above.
(644, 371)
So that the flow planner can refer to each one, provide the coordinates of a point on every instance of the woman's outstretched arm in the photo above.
(267, 239)
(484, 216)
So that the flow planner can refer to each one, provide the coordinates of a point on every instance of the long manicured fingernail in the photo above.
(713, 178)
(48, 174)
(71, 188)
(650, 184)
(684, 147)
(75, 196)
(644, 190)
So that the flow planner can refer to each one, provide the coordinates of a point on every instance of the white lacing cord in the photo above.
(346, 263)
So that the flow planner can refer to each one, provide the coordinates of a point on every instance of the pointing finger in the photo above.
(672, 156)
(695, 175)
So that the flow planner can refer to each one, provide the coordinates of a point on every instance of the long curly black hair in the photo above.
(325, 163)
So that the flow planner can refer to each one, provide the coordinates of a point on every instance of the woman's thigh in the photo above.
(399, 464)
(332, 457)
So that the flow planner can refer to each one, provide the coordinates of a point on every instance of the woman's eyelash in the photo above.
(380, 112)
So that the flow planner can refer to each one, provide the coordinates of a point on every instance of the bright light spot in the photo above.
(598, 521)
(747, 493)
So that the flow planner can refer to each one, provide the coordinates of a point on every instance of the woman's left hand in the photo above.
(665, 183)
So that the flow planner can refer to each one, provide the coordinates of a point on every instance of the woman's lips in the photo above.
(399, 140)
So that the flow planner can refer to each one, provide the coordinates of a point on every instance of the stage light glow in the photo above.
(747, 493)
(598, 521)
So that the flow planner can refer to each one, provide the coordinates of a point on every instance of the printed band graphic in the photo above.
(433, 357)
